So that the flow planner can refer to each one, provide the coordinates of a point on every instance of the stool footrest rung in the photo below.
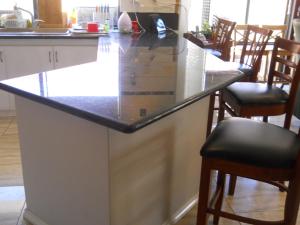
(242, 218)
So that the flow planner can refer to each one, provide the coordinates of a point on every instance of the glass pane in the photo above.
(234, 10)
(9, 4)
(85, 10)
(194, 14)
(68, 5)
(268, 12)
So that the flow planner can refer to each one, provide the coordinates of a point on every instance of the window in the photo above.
(9, 4)
(270, 12)
(234, 10)
(68, 5)
(86, 8)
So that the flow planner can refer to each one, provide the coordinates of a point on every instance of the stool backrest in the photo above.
(221, 36)
(286, 68)
(255, 42)
(278, 31)
(239, 33)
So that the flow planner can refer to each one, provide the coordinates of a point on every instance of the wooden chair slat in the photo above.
(285, 62)
(285, 77)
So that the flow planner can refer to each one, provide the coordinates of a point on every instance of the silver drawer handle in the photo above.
(56, 56)
(1, 56)
(50, 57)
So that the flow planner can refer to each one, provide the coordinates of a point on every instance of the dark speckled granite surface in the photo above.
(134, 82)
(7, 35)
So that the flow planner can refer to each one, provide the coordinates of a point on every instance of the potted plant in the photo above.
(206, 30)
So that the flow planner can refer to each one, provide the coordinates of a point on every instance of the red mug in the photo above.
(92, 27)
(135, 26)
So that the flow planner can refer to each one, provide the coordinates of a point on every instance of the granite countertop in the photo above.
(134, 82)
(49, 35)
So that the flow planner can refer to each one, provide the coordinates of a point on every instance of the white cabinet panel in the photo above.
(4, 96)
(25, 60)
(73, 55)
(2, 64)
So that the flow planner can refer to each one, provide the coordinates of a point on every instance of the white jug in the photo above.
(124, 23)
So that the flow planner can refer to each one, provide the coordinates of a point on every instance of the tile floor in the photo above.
(251, 198)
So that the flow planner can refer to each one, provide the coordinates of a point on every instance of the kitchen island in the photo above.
(116, 141)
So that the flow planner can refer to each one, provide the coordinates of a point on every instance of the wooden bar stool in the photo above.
(221, 38)
(246, 99)
(220, 42)
(255, 150)
(278, 31)
(255, 41)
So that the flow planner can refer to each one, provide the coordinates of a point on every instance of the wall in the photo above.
(166, 6)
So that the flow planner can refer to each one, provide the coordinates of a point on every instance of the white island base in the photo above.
(77, 172)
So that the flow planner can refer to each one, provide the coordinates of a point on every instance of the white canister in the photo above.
(124, 23)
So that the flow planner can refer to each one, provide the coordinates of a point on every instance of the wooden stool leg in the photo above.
(292, 202)
(293, 197)
(221, 107)
(210, 114)
(232, 183)
(265, 119)
(287, 121)
(203, 193)
(221, 187)
(280, 189)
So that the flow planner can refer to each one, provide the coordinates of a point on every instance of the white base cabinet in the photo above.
(25, 60)
(64, 56)
(19, 57)
(4, 96)
(149, 177)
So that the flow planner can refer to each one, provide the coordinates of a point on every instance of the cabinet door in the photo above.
(4, 96)
(2, 64)
(25, 60)
(65, 56)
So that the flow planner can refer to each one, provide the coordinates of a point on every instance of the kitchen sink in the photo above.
(30, 31)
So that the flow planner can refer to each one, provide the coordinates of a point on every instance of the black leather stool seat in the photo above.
(247, 93)
(253, 143)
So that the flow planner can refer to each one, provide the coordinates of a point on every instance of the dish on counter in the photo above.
(85, 32)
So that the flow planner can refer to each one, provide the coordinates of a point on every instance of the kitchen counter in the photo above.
(50, 36)
(173, 71)
(117, 141)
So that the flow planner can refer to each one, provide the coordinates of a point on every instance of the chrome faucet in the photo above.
(35, 22)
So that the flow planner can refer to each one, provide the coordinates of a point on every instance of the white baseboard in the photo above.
(182, 211)
(185, 209)
(7, 113)
(32, 219)
(35, 220)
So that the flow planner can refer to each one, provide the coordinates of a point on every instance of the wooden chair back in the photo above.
(278, 31)
(221, 36)
(281, 64)
(255, 42)
(239, 33)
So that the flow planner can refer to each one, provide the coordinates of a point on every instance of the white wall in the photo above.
(167, 6)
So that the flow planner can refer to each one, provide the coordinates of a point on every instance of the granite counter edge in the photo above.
(109, 122)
